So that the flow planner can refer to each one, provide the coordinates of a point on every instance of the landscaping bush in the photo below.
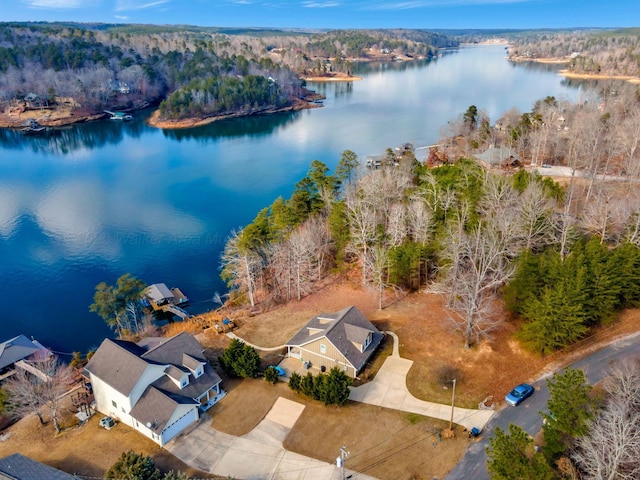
(240, 360)
(271, 375)
(331, 388)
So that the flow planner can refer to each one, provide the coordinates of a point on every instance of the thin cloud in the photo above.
(55, 4)
(328, 4)
(121, 17)
(123, 5)
(412, 4)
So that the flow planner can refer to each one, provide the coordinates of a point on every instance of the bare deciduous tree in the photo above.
(611, 449)
(39, 386)
(479, 267)
(241, 267)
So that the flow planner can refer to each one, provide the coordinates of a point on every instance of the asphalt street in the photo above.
(595, 366)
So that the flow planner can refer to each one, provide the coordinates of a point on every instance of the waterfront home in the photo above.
(18, 350)
(158, 386)
(344, 339)
(19, 467)
(498, 157)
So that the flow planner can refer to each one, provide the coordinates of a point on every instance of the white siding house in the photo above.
(157, 387)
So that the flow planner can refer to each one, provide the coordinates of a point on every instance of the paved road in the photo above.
(474, 464)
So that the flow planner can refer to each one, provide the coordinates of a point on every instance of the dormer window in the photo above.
(367, 341)
(199, 371)
(184, 382)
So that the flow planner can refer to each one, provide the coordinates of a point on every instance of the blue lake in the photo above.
(107, 198)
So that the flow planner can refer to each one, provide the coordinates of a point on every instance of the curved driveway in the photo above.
(258, 455)
(389, 389)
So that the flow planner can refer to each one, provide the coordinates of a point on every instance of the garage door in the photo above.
(176, 427)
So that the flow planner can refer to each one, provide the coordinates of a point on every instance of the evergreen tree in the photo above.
(111, 301)
(570, 409)
(134, 466)
(295, 381)
(555, 321)
(230, 356)
(335, 387)
(271, 375)
(248, 363)
(513, 456)
(307, 385)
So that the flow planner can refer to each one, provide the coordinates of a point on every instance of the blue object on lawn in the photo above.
(226, 321)
(278, 369)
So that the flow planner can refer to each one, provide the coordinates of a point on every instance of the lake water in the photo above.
(108, 198)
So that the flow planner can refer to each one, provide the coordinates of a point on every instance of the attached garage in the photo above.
(179, 425)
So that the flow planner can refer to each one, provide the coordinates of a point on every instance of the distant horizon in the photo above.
(335, 14)
(309, 29)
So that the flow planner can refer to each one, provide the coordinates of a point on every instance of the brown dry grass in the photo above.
(384, 443)
(87, 450)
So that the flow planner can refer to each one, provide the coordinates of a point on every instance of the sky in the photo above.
(335, 14)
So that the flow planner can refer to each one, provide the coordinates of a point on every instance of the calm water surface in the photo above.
(107, 198)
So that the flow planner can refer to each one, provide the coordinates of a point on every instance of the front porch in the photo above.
(210, 398)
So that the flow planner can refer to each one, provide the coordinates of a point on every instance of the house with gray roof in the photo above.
(19, 467)
(498, 157)
(158, 386)
(20, 348)
(344, 339)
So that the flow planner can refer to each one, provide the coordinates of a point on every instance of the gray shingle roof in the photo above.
(19, 467)
(196, 386)
(343, 329)
(121, 364)
(158, 292)
(495, 156)
(155, 407)
(118, 363)
(16, 349)
(190, 362)
(173, 349)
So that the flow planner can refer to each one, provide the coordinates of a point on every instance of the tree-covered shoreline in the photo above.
(190, 72)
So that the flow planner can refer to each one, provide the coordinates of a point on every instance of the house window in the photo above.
(115, 405)
(184, 383)
(122, 408)
(199, 371)
(323, 348)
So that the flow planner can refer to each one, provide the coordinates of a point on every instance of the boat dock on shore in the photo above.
(169, 300)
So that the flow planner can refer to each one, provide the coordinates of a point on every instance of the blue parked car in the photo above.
(518, 394)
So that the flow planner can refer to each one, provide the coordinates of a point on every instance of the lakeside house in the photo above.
(498, 157)
(344, 339)
(158, 386)
(17, 352)
(19, 467)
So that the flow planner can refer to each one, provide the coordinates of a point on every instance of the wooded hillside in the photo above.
(197, 72)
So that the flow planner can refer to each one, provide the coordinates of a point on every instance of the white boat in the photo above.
(120, 115)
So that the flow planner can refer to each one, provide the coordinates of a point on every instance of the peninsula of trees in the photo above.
(190, 72)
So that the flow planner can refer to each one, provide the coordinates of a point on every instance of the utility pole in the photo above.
(341, 459)
(453, 399)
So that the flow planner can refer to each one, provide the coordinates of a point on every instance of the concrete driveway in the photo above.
(258, 455)
(389, 389)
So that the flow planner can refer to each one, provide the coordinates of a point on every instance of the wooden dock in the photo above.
(162, 299)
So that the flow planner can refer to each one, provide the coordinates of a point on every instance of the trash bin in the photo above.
(323, 369)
